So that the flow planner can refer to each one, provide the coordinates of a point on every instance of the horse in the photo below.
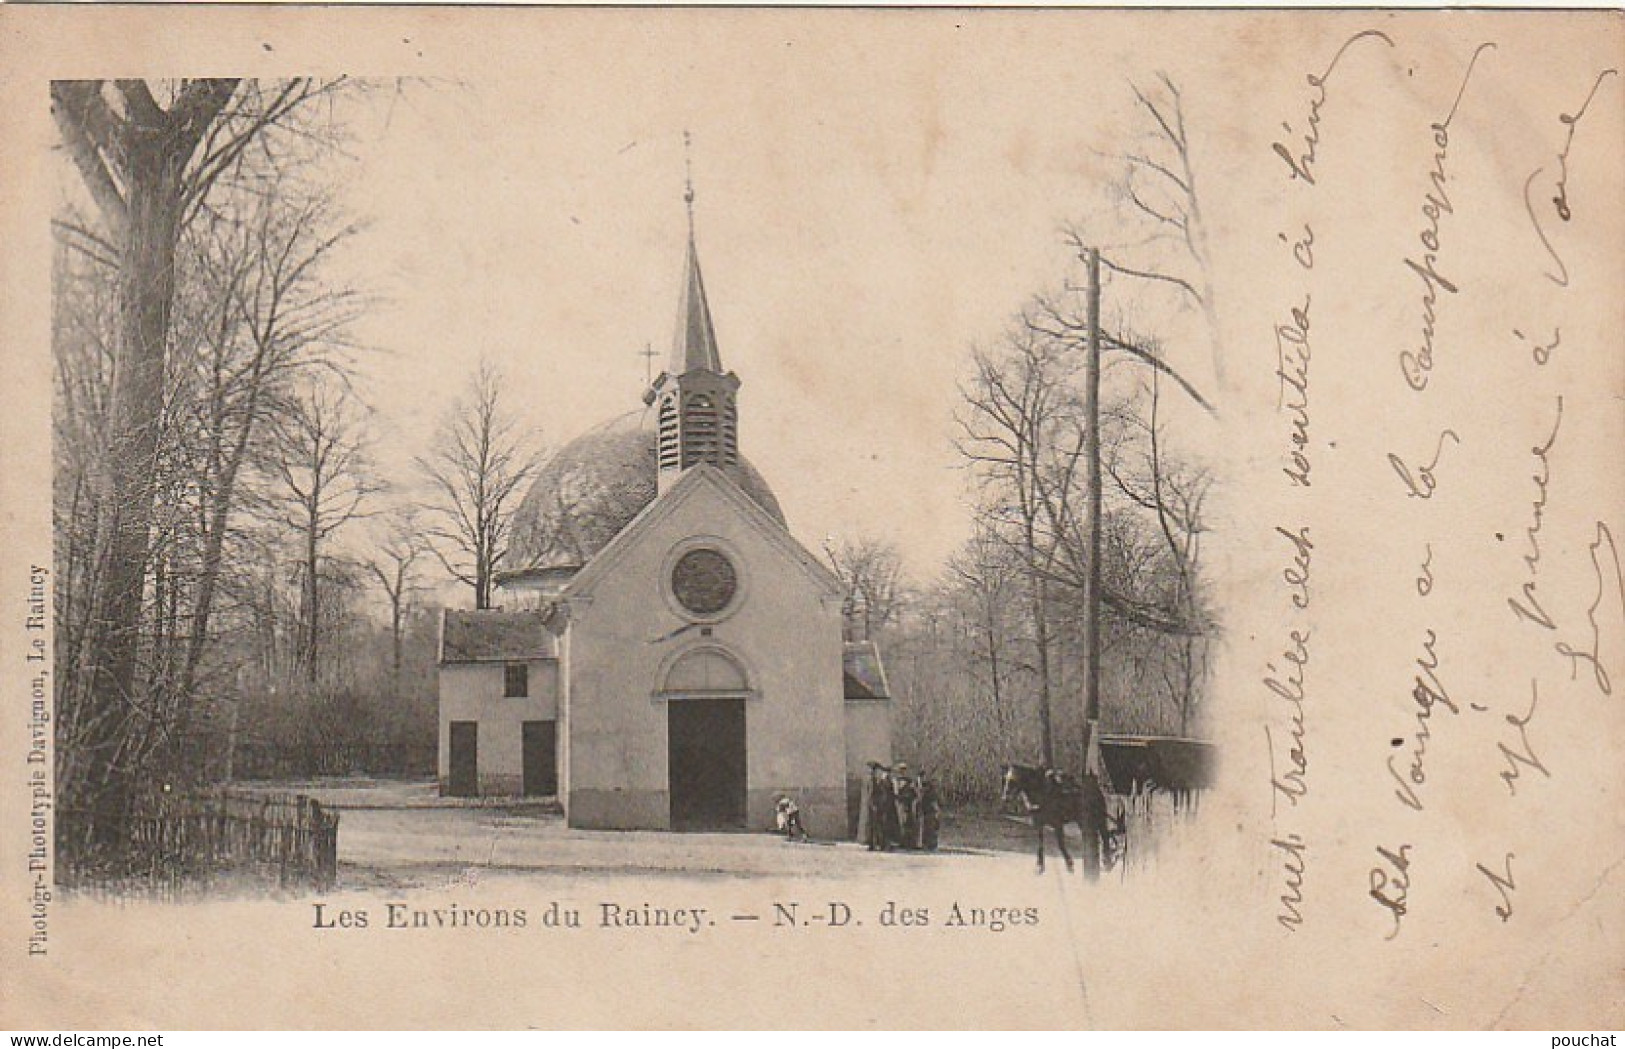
(1054, 798)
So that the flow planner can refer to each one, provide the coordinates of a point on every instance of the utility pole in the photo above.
(1091, 579)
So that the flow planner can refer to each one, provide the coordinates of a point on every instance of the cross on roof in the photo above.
(648, 354)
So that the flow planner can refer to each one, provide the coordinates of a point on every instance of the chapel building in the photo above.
(668, 655)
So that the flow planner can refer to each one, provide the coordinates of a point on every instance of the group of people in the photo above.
(898, 809)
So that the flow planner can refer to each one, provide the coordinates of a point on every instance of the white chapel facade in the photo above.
(668, 656)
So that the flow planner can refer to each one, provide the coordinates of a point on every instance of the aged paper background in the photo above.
(1199, 941)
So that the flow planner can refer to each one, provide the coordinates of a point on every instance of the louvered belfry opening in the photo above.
(670, 443)
(697, 401)
(700, 432)
(730, 432)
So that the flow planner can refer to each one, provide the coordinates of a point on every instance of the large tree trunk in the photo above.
(133, 161)
(124, 479)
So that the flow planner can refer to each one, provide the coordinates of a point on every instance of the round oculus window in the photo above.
(704, 581)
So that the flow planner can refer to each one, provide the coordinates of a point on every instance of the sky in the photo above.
(869, 207)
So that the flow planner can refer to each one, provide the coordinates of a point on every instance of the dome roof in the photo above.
(592, 488)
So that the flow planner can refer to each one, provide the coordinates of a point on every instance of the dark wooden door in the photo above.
(541, 762)
(465, 759)
(706, 749)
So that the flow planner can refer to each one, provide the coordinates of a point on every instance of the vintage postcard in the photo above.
(812, 518)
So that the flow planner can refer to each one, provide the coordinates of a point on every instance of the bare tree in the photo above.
(1174, 493)
(253, 308)
(1153, 232)
(1011, 609)
(1024, 430)
(82, 336)
(1018, 417)
(1158, 246)
(394, 566)
(322, 481)
(476, 468)
(871, 570)
(985, 572)
(271, 316)
(149, 155)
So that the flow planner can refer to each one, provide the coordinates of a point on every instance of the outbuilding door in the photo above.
(465, 759)
(707, 763)
(541, 766)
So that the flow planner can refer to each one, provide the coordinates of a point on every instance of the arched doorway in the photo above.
(705, 691)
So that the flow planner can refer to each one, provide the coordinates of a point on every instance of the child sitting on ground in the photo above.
(788, 815)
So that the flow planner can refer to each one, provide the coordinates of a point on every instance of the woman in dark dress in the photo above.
(866, 809)
(930, 813)
(888, 831)
(908, 813)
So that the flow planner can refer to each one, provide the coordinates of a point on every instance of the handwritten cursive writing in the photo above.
(1523, 756)
(1300, 160)
(1303, 249)
(1503, 884)
(1542, 354)
(1561, 277)
(1426, 693)
(1417, 365)
(1421, 483)
(1291, 784)
(1296, 574)
(1292, 369)
(1592, 657)
(1390, 883)
(1572, 120)
(1293, 847)
(1528, 606)
(1560, 201)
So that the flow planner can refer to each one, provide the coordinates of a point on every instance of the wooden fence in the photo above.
(178, 836)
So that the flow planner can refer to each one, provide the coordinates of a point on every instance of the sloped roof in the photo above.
(593, 488)
(493, 636)
(703, 477)
(1169, 762)
(863, 672)
(695, 346)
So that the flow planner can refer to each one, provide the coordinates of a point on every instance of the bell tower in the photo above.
(696, 401)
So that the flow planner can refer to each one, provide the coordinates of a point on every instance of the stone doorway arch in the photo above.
(705, 690)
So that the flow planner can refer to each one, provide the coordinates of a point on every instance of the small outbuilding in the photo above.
(499, 704)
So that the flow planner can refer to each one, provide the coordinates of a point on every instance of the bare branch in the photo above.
(88, 128)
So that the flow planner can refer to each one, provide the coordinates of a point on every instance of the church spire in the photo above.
(695, 346)
(698, 415)
(696, 343)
